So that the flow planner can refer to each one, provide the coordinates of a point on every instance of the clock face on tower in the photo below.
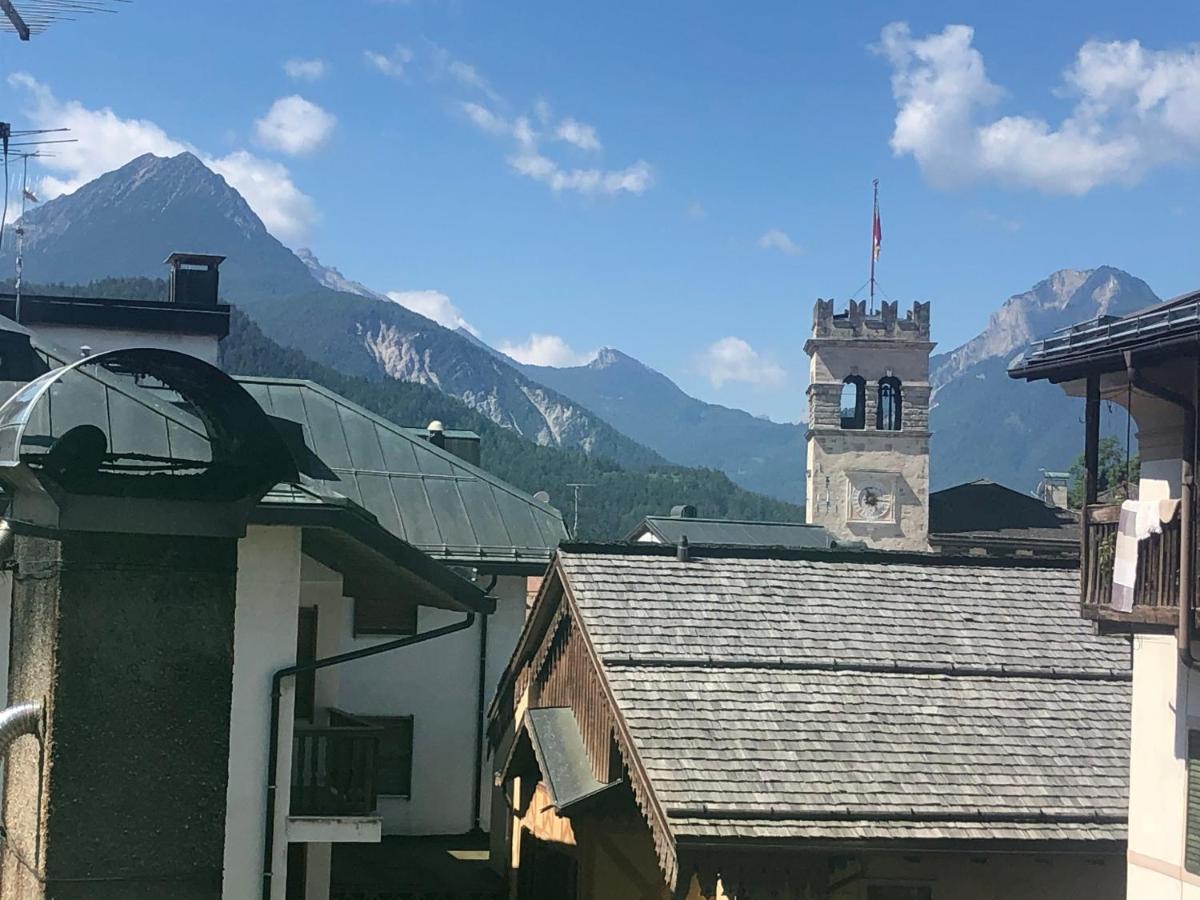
(872, 497)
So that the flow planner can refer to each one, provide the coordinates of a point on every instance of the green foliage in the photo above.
(1113, 477)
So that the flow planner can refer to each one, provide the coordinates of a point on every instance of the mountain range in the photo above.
(615, 408)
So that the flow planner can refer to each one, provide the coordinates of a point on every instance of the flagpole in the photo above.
(874, 219)
(21, 236)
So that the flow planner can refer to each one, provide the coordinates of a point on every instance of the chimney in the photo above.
(683, 511)
(194, 278)
(463, 444)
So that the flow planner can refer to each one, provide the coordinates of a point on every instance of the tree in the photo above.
(1113, 478)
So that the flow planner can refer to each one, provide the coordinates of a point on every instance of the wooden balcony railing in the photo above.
(333, 768)
(1156, 592)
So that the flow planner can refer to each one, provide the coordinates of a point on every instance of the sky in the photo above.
(678, 180)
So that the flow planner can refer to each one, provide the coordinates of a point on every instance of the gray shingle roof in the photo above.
(732, 533)
(838, 699)
(421, 493)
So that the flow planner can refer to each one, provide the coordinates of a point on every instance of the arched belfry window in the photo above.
(887, 414)
(854, 402)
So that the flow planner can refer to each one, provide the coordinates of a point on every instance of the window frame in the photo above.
(370, 629)
(857, 421)
(896, 388)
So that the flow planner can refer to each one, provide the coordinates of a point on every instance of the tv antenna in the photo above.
(30, 17)
(577, 486)
(26, 195)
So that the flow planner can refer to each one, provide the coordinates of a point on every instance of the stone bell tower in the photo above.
(868, 425)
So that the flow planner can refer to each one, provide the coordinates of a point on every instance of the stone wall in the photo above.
(128, 640)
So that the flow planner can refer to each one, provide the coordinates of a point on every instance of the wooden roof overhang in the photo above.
(557, 663)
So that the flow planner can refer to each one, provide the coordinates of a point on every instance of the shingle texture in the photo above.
(421, 493)
(852, 699)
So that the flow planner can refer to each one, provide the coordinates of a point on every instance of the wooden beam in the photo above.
(15, 17)
(1091, 439)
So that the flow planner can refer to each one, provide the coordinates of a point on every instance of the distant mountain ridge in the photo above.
(1024, 428)
(125, 223)
(758, 454)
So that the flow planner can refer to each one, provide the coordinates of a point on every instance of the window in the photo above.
(887, 414)
(393, 765)
(373, 616)
(899, 892)
(306, 651)
(854, 402)
(1191, 849)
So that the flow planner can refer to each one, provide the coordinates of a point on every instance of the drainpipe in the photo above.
(312, 666)
(476, 803)
(1187, 551)
(1187, 492)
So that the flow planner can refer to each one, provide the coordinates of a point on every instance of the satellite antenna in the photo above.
(23, 138)
(30, 17)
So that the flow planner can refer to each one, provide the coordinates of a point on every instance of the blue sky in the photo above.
(676, 179)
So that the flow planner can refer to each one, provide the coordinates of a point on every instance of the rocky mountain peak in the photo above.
(1064, 298)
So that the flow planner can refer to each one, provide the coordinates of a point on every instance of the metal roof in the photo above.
(733, 533)
(421, 493)
(1103, 335)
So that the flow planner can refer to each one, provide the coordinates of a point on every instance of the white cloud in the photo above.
(528, 134)
(105, 141)
(294, 126)
(546, 350)
(1134, 109)
(777, 239)
(306, 69)
(577, 133)
(286, 211)
(392, 64)
(433, 305)
(733, 359)
(484, 119)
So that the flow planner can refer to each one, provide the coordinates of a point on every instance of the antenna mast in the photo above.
(577, 486)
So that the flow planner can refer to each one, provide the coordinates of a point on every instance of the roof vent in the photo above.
(683, 511)
(194, 278)
(542, 497)
(682, 552)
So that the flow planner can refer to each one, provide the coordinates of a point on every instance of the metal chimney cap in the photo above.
(683, 511)
(435, 427)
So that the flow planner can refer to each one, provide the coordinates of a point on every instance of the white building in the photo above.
(386, 524)
(1148, 363)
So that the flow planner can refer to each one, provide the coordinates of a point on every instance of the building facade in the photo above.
(868, 424)
(732, 723)
(1148, 363)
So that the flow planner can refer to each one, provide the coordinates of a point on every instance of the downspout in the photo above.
(273, 737)
(476, 801)
(1187, 492)
(1187, 551)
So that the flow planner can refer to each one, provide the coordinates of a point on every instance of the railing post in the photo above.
(1091, 463)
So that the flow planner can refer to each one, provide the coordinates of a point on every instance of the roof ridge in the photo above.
(882, 668)
(838, 554)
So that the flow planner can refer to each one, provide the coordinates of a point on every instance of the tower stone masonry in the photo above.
(868, 424)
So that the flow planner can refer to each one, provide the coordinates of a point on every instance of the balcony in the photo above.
(333, 768)
(1156, 593)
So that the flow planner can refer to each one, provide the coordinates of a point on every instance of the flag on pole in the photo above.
(876, 228)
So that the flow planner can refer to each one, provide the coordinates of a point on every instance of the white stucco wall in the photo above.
(71, 337)
(268, 591)
(437, 684)
(1166, 702)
